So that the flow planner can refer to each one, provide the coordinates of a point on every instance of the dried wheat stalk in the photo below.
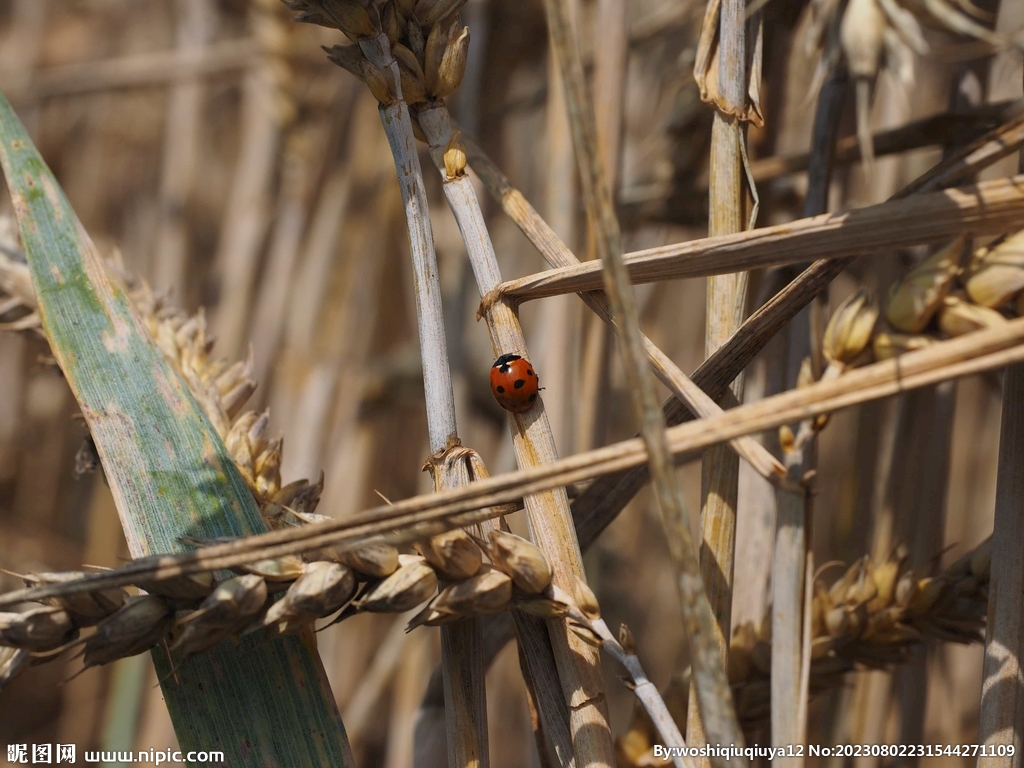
(721, 72)
(134, 70)
(709, 672)
(987, 208)
(1001, 701)
(585, 615)
(1002, 705)
(195, 24)
(792, 562)
(532, 435)
(269, 110)
(936, 129)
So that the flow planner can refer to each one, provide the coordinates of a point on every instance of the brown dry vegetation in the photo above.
(211, 148)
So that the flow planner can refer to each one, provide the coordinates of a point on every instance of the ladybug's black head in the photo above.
(504, 360)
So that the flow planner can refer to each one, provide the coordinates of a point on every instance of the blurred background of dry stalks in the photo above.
(212, 144)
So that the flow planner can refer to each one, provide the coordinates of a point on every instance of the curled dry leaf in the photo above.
(706, 66)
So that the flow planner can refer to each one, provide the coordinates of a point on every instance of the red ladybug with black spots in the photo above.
(514, 383)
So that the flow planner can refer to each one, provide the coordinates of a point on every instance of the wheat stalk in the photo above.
(181, 149)
(721, 74)
(986, 208)
(698, 618)
(132, 71)
(936, 129)
(792, 562)
(269, 110)
(434, 67)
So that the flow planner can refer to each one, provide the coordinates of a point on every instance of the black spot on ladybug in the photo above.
(519, 383)
(532, 398)
(503, 361)
(529, 372)
(501, 388)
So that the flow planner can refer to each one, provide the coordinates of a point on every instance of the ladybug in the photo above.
(514, 384)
